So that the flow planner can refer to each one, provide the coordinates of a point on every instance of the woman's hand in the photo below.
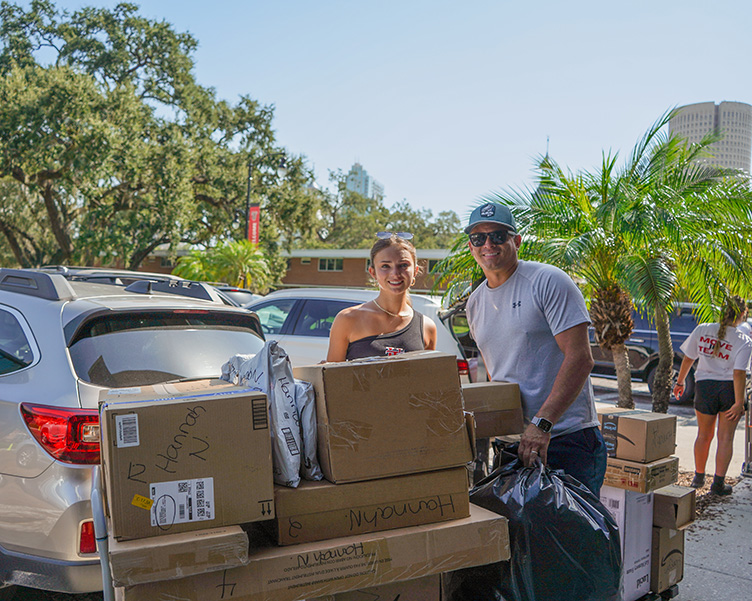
(736, 411)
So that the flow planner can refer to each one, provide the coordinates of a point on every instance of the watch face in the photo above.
(543, 424)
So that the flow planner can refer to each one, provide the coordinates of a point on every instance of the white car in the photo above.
(299, 319)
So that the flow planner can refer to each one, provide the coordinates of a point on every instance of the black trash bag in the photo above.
(564, 543)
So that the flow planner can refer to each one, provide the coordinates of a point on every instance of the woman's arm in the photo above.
(683, 371)
(339, 338)
(740, 383)
(429, 333)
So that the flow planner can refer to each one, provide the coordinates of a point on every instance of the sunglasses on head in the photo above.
(496, 237)
(403, 235)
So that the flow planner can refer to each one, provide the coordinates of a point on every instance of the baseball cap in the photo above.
(491, 213)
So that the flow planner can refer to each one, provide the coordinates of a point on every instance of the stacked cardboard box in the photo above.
(673, 511)
(393, 443)
(639, 444)
(496, 406)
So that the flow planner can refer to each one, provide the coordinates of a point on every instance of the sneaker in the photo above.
(720, 490)
(698, 481)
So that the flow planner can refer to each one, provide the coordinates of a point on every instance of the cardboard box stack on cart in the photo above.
(393, 511)
(637, 490)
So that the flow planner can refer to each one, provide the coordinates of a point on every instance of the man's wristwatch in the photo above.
(542, 423)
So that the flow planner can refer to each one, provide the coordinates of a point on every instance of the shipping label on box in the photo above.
(176, 555)
(641, 477)
(667, 563)
(674, 507)
(322, 510)
(633, 513)
(637, 435)
(496, 406)
(165, 451)
(386, 416)
(346, 564)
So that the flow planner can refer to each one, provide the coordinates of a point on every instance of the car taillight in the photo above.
(69, 435)
(463, 366)
(87, 542)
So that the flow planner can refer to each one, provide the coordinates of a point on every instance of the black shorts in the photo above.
(714, 396)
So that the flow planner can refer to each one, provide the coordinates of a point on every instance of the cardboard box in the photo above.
(496, 406)
(420, 589)
(346, 564)
(641, 477)
(633, 513)
(637, 435)
(176, 555)
(667, 563)
(674, 507)
(322, 510)
(182, 457)
(387, 416)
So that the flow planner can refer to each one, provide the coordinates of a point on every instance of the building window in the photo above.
(330, 264)
(166, 262)
(431, 264)
(305, 261)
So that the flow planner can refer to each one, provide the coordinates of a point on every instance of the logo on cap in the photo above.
(487, 210)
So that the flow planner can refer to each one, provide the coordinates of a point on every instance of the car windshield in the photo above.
(142, 349)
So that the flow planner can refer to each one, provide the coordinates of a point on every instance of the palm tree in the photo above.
(650, 230)
(239, 263)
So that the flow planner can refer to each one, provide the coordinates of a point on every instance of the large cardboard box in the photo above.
(176, 555)
(386, 416)
(182, 457)
(346, 564)
(674, 507)
(496, 406)
(322, 510)
(641, 477)
(667, 563)
(633, 513)
(637, 435)
(420, 589)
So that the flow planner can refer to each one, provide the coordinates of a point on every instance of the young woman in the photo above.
(723, 355)
(387, 325)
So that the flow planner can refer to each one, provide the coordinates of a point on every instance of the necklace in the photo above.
(389, 312)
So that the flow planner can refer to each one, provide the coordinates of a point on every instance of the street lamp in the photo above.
(253, 210)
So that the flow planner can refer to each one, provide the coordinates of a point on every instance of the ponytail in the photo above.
(732, 311)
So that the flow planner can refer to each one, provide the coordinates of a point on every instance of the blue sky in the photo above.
(442, 101)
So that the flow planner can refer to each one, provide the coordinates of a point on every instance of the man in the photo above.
(530, 323)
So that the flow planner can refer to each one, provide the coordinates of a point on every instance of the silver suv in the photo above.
(65, 336)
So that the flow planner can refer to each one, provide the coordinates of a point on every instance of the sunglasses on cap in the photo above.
(497, 237)
(403, 235)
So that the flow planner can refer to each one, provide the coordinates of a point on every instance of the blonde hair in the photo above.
(733, 309)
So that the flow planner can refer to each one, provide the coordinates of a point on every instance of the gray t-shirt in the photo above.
(514, 326)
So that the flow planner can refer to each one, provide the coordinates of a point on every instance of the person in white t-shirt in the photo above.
(723, 355)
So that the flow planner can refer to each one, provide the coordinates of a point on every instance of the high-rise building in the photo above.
(359, 181)
(731, 119)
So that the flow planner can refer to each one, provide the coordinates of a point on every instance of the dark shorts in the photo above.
(582, 455)
(714, 396)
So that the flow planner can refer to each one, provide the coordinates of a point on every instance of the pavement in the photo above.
(718, 545)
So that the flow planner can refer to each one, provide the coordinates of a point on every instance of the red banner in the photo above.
(254, 218)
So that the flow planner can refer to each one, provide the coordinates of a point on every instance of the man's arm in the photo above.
(572, 375)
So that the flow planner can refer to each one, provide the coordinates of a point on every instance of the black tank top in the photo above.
(409, 338)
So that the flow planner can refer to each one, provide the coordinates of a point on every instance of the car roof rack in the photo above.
(50, 286)
(182, 287)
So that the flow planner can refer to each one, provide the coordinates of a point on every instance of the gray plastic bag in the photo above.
(305, 401)
(270, 372)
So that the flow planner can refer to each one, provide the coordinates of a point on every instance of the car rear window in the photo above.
(138, 349)
(15, 350)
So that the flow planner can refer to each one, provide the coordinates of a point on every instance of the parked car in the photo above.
(67, 334)
(237, 296)
(642, 347)
(299, 319)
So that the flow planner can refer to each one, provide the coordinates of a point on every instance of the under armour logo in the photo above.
(516, 304)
